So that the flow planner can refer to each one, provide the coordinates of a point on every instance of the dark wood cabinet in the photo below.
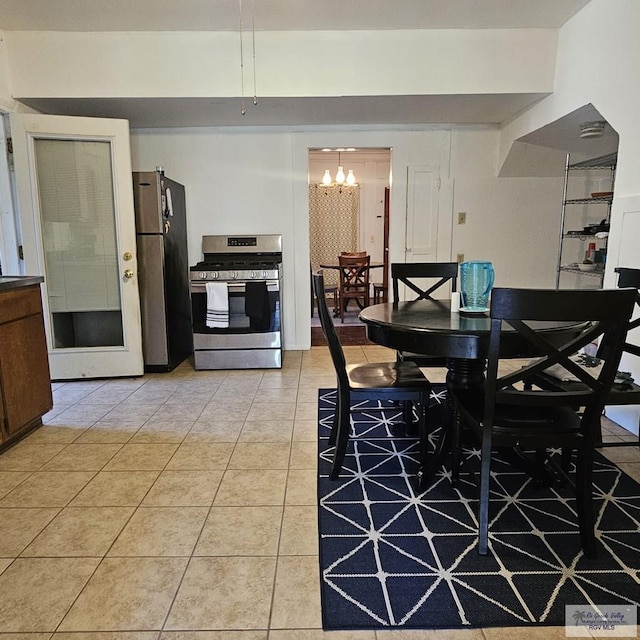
(25, 383)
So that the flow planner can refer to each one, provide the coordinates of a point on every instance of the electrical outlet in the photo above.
(462, 217)
(460, 258)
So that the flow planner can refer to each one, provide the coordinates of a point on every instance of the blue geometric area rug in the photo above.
(394, 558)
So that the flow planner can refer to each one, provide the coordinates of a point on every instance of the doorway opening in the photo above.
(346, 218)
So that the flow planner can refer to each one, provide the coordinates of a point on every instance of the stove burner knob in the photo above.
(213, 275)
(202, 275)
(233, 275)
(264, 275)
(252, 274)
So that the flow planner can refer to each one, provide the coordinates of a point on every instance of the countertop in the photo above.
(15, 282)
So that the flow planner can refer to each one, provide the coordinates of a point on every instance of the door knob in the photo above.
(128, 274)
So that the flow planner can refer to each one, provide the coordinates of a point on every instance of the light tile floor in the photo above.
(181, 506)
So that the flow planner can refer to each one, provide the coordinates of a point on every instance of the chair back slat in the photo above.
(408, 272)
(564, 305)
(628, 277)
(354, 280)
(354, 271)
(600, 314)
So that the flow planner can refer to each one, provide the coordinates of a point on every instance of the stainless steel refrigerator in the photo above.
(163, 270)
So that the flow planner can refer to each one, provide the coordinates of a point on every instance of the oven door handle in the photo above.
(234, 287)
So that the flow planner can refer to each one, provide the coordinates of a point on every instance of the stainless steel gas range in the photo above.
(235, 300)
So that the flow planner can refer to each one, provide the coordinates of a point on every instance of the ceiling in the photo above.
(276, 15)
(204, 15)
(294, 112)
(542, 153)
(566, 131)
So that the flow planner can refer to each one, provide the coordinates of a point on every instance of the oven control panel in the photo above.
(260, 244)
(242, 242)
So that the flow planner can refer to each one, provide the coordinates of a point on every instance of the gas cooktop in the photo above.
(235, 264)
(239, 258)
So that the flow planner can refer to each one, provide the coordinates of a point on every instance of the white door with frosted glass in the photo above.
(75, 203)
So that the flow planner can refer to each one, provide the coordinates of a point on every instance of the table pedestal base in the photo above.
(465, 374)
(461, 374)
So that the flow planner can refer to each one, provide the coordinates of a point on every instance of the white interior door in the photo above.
(422, 214)
(75, 206)
(421, 242)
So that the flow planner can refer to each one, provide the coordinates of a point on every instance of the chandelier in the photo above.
(341, 179)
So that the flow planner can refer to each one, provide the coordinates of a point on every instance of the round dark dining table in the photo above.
(428, 327)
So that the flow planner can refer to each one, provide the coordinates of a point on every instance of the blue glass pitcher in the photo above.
(476, 282)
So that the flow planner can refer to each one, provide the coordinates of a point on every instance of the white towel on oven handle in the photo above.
(217, 305)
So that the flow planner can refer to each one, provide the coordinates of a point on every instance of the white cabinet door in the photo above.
(75, 202)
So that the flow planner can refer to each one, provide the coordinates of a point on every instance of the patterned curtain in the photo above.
(334, 212)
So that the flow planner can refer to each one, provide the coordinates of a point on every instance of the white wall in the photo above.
(8, 245)
(256, 181)
(6, 102)
(512, 222)
(149, 64)
(234, 179)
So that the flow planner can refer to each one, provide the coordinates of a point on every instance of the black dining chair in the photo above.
(629, 392)
(331, 290)
(423, 278)
(623, 393)
(398, 381)
(509, 414)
